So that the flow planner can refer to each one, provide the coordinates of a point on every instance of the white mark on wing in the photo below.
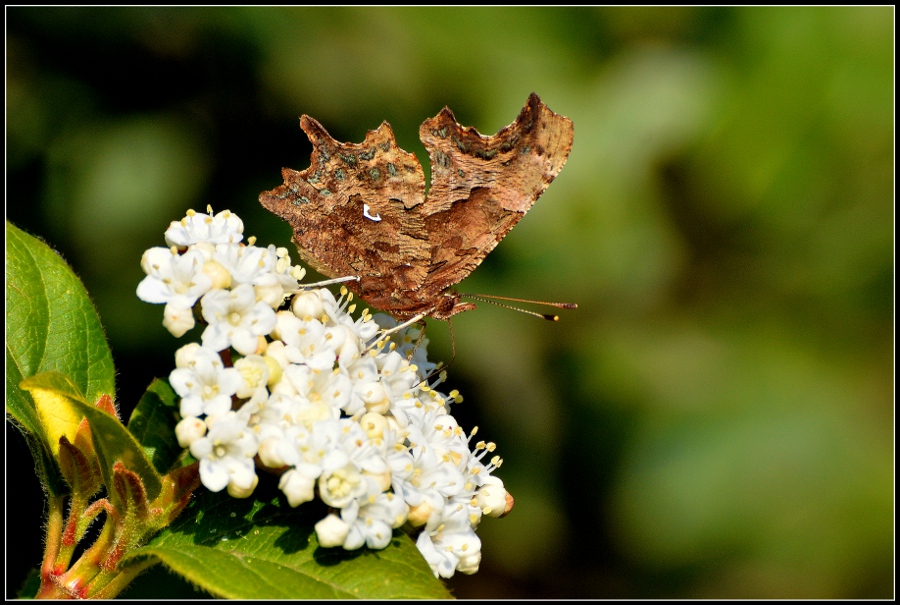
(366, 214)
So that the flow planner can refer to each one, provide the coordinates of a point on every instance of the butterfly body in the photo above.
(361, 209)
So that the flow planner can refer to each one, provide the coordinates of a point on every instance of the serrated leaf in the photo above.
(153, 425)
(50, 325)
(112, 441)
(263, 549)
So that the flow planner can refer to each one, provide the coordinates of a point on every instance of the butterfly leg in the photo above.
(412, 352)
(380, 338)
(327, 282)
(441, 367)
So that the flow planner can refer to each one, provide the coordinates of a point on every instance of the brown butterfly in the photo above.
(361, 210)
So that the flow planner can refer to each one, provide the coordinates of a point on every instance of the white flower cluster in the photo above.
(341, 408)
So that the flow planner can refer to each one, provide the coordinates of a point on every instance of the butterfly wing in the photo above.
(481, 186)
(352, 212)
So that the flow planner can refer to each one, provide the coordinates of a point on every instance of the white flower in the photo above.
(236, 319)
(222, 228)
(276, 433)
(263, 268)
(372, 520)
(341, 485)
(341, 420)
(173, 278)
(368, 393)
(449, 543)
(396, 373)
(226, 454)
(432, 479)
(254, 375)
(309, 342)
(444, 434)
(320, 394)
(203, 383)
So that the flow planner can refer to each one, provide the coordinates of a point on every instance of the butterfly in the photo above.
(361, 209)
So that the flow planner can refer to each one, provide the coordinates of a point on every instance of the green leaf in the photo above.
(153, 425)
(31, 585)
(159, 583)
(112, 440)
(263, 549)
(51, 324)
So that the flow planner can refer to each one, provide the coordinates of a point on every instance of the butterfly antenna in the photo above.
(548, 316)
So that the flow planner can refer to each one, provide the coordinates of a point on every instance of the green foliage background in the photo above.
(715, 420)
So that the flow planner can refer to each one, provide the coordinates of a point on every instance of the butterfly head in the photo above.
(449, 304)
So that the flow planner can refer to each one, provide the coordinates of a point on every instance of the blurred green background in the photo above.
(715, 420)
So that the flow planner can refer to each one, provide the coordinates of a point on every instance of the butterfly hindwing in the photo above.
(360, 209)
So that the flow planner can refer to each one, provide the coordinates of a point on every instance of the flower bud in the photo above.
(469, 562)
(275, 372)
(189, 430)
(382, 480)
(177, 319)
(375, 398)
(220, 276)
(269, 453)
(271, 293)
(332, 531)
(237, 491)
(297, 487)
(419, 515)
(307, 305)
(373, 424)
(493, 498)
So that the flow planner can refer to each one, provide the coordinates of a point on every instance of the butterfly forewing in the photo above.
(482, 186)
(360, 209)
(350, 213)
